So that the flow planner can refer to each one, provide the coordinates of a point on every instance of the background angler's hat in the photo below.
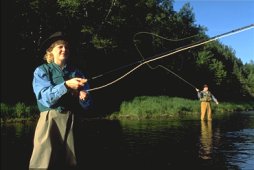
(205, 85)
(51, 39)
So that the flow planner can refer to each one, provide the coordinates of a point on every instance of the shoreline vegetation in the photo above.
(20, 112)
(174, 108)
(142, 107)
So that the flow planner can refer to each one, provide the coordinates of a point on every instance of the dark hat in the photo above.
(205, 85)
(51, 39)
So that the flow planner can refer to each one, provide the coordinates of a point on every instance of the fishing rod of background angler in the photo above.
(163, 55)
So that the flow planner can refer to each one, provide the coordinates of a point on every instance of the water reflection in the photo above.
(206, 143)
(16, 140)
(219, 144)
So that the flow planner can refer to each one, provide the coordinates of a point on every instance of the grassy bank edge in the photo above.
(140, 108)
(175, 108)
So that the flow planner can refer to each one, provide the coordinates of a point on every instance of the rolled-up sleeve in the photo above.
(199, 95)
(47, 93)
(214, 99)
(85, 104)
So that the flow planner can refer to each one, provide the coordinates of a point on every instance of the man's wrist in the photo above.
(67, 87)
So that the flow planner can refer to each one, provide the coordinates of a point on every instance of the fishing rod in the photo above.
(167, 69)
(169, 53)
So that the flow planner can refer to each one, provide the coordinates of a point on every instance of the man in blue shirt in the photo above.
(60, 90)
(205, 96)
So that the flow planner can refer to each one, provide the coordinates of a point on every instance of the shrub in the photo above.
(6, 111)
(20, 109)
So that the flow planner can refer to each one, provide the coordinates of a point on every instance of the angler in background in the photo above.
(205, 96)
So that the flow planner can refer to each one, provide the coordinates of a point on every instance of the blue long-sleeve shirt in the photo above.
(49, 88)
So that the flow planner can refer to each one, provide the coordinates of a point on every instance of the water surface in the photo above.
(227, 143)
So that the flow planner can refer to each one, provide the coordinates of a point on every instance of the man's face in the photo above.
(205, 88)
(60, 52)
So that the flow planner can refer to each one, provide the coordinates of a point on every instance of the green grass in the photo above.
(19, 112)
(164, 107)
(144, 107)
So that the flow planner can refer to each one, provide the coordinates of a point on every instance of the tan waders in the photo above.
(206, 107)
(53, 142)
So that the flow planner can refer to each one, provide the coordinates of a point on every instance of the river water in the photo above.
(226, 143)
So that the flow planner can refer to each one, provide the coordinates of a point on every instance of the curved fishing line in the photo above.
(156, 35)
(180, 49)
(161, 66)
(143, 59)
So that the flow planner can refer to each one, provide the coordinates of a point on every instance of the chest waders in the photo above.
(53, 139)
(206, 98)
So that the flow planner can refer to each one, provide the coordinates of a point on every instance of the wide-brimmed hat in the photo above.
(51, 39)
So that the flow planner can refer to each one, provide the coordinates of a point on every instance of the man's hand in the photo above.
(82, 95)
(217, 102)
(197, 90)
(75, 83)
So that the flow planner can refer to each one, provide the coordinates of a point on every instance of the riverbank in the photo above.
(143, 107)
(165, 107)
(20, 112)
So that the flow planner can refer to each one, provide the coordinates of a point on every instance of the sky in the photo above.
(220, 16)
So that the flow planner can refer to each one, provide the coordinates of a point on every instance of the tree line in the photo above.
(102, 38)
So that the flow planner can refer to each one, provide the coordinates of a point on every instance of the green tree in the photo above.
(102, 35)
(249, 72)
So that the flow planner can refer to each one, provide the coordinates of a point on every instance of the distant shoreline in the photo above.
(174, 108)
(140, 108)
